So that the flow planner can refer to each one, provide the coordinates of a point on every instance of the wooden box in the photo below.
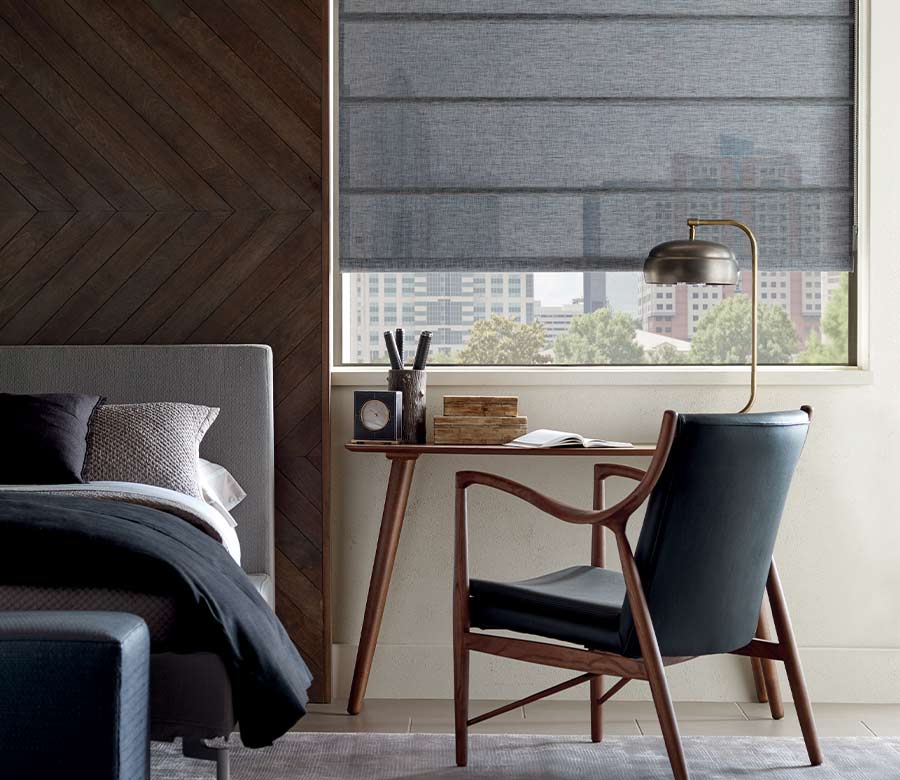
(481, 405)
(455, 429)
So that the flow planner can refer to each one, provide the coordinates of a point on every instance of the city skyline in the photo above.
(450, 303)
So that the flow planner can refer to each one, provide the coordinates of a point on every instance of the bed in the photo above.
(191, 695)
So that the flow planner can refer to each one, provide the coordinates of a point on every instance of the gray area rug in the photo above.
(527, 757)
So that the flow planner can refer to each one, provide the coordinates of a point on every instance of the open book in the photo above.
(547, 438)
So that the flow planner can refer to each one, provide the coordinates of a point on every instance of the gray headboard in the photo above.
(235, 377)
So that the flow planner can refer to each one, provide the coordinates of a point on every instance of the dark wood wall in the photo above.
(161, 181)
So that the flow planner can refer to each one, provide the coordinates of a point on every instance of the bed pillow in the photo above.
(153, 443)
(44, 437)
(219, 486)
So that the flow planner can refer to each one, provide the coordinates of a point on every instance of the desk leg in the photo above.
(598, 558)
(385, 552)
(768, 670)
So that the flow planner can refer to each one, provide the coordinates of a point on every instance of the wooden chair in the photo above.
(692, 587)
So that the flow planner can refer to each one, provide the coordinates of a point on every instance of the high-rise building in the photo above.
(676, 310)
(830, 282)
(595, 291)
(446, 303)
(802, 294)
(558, 319)
(788, 227)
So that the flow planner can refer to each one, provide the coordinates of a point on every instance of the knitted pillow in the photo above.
(153, 444)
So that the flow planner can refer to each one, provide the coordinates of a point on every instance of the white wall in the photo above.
(839, 549)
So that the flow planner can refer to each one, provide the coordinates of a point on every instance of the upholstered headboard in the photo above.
(235, 377)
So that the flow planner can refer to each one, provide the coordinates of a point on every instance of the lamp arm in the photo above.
(693, 222)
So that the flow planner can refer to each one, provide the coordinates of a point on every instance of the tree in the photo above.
(723, 334)
(439, 357)
(667, 355)
(601, 337)
(504, 341)
(835, 328)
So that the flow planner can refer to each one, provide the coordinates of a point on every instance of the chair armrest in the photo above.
(604, 470)
(616, 516)
(550, 506)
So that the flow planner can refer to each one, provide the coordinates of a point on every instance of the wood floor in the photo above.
(622, 718)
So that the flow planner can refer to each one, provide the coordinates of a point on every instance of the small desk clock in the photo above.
(377, 415)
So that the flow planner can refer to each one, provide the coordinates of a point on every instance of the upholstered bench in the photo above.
(74, 695)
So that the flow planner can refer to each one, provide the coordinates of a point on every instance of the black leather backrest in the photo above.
(710, 529)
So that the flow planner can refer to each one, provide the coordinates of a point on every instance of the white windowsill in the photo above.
(493, 376)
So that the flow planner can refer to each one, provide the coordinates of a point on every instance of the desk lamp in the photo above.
(705, 262)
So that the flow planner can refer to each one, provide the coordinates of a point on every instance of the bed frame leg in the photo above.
(194, 747)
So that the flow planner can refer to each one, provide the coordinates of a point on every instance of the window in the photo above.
(443, 284)
(508, 161)
(444, 312)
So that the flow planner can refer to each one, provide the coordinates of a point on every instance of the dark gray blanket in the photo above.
(82, 542)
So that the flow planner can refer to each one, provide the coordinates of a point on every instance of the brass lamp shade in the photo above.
(706, 262)
(690, 261)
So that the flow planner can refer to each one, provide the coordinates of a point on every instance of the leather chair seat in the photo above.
(581, 604)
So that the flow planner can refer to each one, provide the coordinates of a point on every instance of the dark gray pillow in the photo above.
(44, 437)
(152, 443)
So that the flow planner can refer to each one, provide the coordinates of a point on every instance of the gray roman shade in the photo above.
(530, 135)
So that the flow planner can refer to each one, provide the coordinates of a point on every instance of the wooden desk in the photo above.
(403, 459)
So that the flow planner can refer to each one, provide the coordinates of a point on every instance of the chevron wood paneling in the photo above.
(161, 181)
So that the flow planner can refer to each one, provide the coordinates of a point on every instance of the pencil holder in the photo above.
(411, 383)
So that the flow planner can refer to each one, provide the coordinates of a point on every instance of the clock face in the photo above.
(374, 415)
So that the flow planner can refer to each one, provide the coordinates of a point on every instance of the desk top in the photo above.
(414, 450)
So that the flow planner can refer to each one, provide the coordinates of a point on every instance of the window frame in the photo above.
(856, 372)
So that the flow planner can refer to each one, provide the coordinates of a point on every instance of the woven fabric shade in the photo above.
(530, 135)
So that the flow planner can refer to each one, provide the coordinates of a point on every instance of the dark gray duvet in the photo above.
(82, 542)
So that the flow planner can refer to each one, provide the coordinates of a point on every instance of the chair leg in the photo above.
(759, 682)
(596, 686)
(785, 633)
(666, 714)
(461, 699)
(656, 673)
